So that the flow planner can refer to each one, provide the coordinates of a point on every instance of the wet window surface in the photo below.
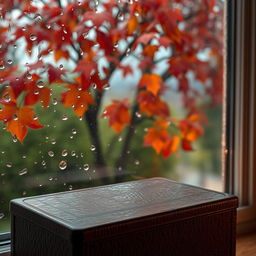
(100, 92)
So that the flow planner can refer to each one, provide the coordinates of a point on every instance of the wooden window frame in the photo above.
(239, 151)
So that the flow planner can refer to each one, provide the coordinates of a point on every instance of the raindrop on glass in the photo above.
(63, 165)
(7, 98)
(29, 76)
(53, 141)
(64, 152)
(64, 118)
(54, 101)
(70, 187)
(40, 84)
(51, 153)
(137, 162)
(23, 171)
(86, 167)
(32, 37)
(9, 165)
(74, 131)
(92, 148)
(43, 163)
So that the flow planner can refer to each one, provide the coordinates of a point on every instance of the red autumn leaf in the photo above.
(118, 114)
(98, 19)
(152, 105)
(77, 98)
(54, 74)
(190, 129)
(145, 39)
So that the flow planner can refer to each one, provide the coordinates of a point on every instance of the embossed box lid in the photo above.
(134, 205)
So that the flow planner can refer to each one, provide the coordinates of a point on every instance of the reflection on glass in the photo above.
(97, 92)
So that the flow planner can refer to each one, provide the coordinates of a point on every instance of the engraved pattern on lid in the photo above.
(87, 208)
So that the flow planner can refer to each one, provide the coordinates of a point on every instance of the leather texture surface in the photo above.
(88, 208)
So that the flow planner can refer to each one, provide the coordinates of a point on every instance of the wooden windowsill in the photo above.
(246, 245)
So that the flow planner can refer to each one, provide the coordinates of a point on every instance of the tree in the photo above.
(181, 38)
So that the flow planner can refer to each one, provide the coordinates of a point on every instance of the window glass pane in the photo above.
(98, 92)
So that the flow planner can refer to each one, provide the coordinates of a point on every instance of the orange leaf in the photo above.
(118, 113)
(132, 24)
(152, 82)
(161, 141)
(19, 119)
(78, 98)
(152, 105)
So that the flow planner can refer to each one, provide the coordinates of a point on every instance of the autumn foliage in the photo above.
(163, 41)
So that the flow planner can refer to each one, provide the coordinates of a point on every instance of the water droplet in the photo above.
(63, 165)
(128, 51)
(32, 37)
(51, 153)
(2, 67)
(43, 163)
(48, 26)
(23, 171)
(70, 187)
(73, 153)
(137, 162)
(61, 66)
(7, 98)
(106, 86)
(40, 84)
(54, 101)
(138, 114)
(14, 139)
(9, 165)
(92, 148)
(120, 139)
(9, 62)
(24, 157)
(35, 117)
(38, 18)
(64, 118)
(50, 178)
(121, 16)
(1, 216)
(36, 92)
(29, 76)
(86, 167)
(24, 193)
(64, 152)
(53, 141)
(15, 117)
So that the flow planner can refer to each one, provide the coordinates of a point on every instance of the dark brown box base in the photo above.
(148, 217)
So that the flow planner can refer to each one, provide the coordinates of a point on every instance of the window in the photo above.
(64, 155)
(240, 114)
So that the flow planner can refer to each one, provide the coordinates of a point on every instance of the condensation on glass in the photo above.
(98, 92)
